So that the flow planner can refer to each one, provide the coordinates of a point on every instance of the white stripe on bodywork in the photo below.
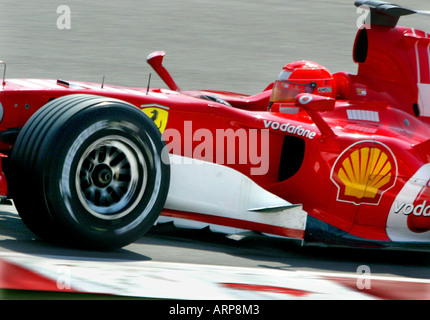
(397, 224)
(204, 187)
(423, 88)
(26, 84)
(52, 84)
(417, 55)
(424, 99)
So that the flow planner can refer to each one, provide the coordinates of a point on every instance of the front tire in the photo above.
(89, 171)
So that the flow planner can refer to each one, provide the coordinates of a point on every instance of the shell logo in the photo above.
(363, 172)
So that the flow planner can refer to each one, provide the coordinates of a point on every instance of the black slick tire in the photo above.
(89, 172)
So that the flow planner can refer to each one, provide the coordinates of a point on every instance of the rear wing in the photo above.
(386, 14)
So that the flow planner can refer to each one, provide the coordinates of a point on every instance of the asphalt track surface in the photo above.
(233, 45)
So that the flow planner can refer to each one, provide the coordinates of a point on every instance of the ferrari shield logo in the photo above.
(158, 114)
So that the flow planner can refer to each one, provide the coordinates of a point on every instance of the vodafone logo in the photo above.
(408, 218)
(409, 208)
(287, 127)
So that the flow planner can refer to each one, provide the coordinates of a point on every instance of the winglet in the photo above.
(275, 208)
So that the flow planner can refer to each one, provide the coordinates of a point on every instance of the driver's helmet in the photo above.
(302, 77)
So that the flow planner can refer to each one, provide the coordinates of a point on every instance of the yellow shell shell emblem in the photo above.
(158, 114)
(363, 172)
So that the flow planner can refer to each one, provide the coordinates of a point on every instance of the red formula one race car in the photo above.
(319, 157)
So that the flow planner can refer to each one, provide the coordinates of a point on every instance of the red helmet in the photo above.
(302, 77)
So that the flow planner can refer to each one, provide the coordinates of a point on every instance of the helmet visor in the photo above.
(286, 91)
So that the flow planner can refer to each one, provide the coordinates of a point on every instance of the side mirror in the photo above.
(155, 60)
(314, 104)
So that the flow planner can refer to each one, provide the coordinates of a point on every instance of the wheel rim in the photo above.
(111, 177)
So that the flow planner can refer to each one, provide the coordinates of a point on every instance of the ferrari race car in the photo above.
(317, 157)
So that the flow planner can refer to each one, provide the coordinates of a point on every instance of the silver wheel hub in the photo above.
(111, 177)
